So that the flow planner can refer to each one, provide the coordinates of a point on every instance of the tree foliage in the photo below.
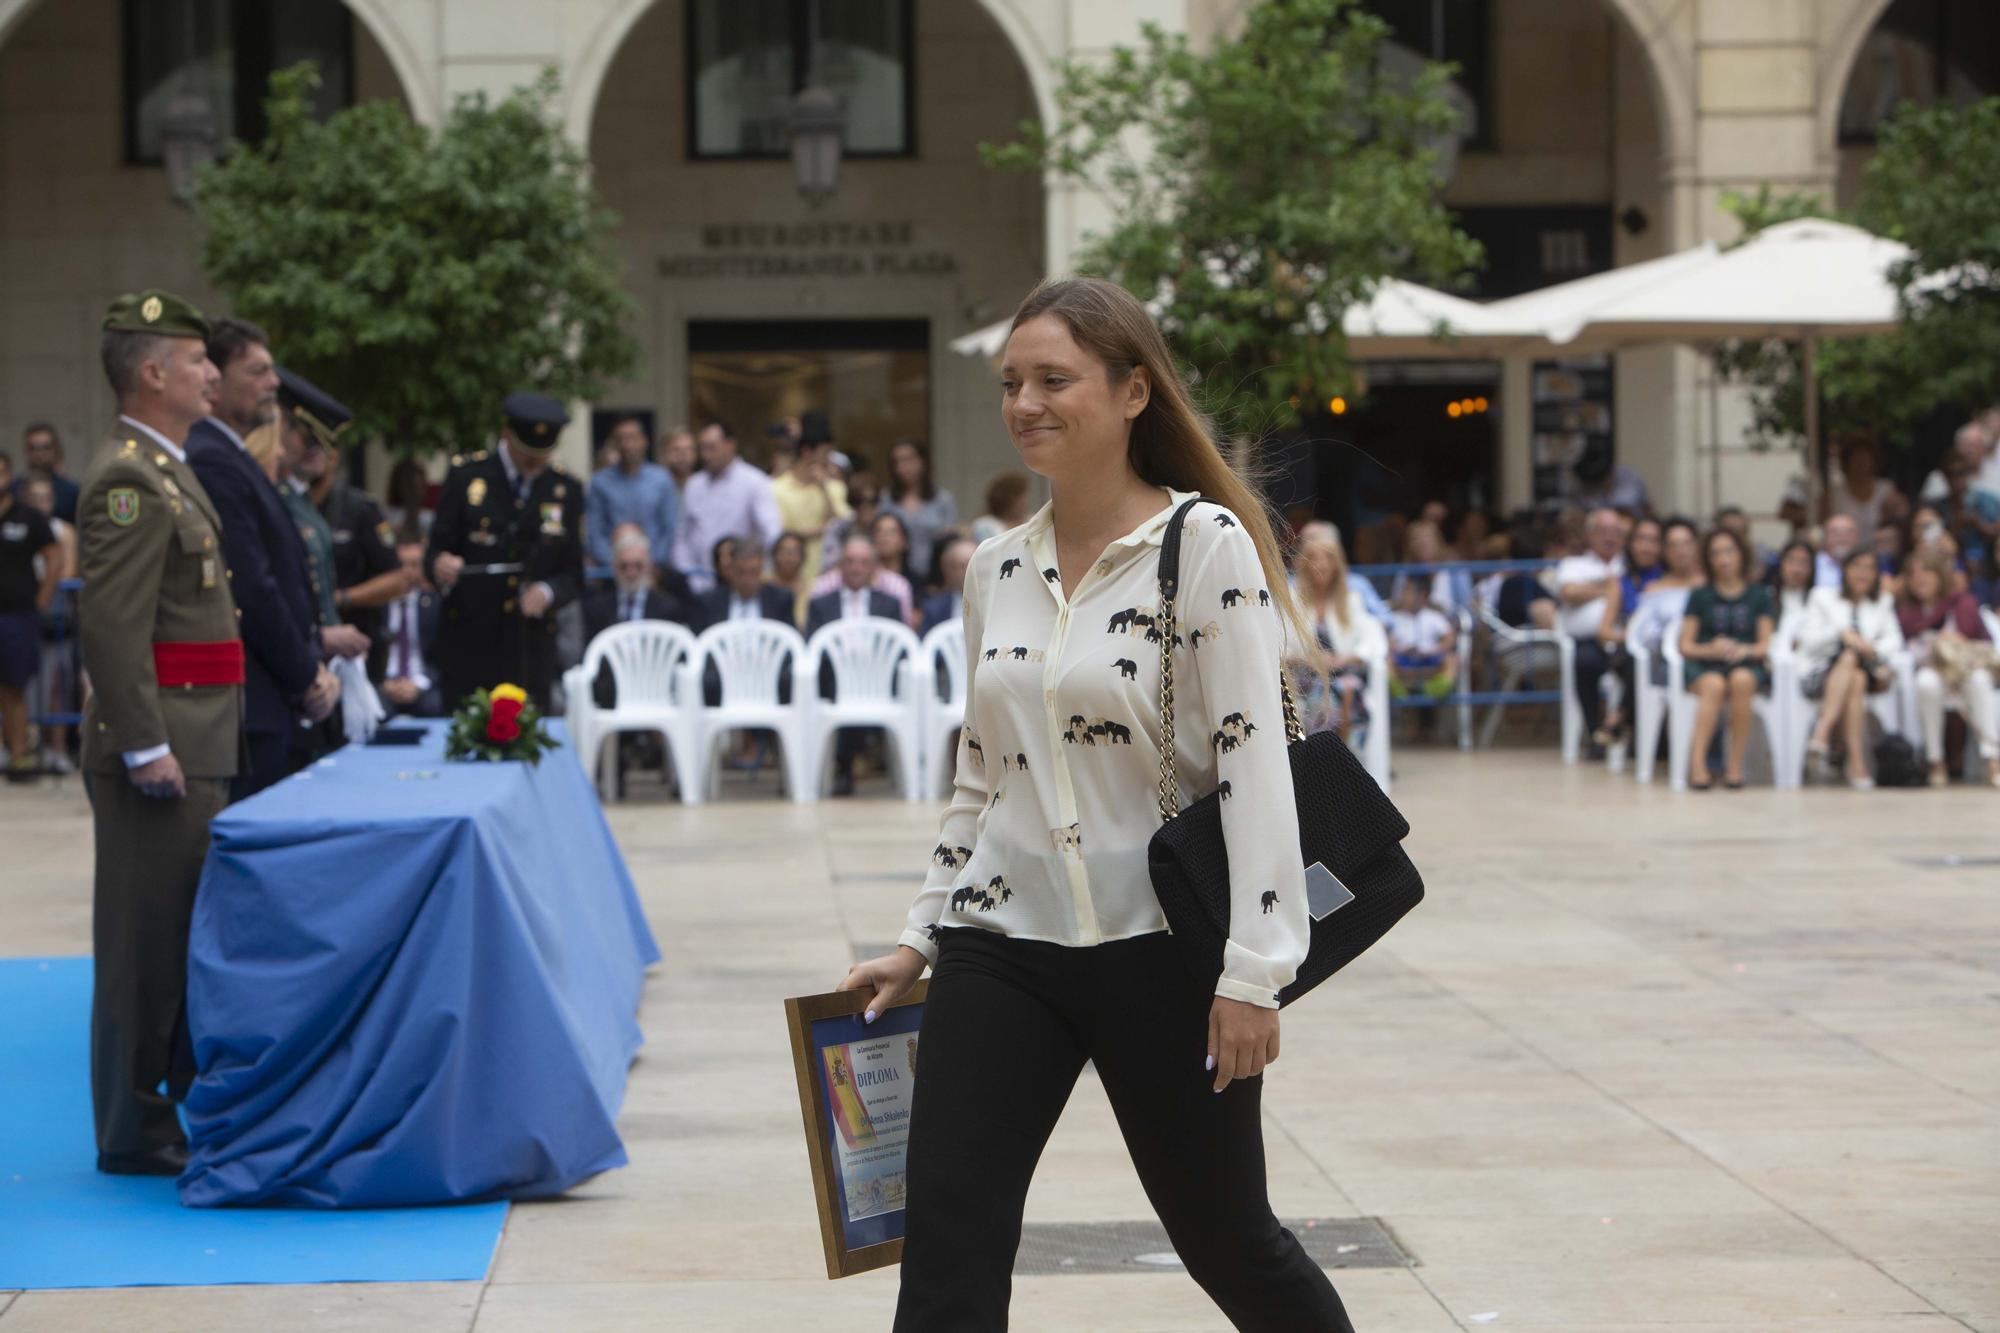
(420, 275)
(1934, 185)
(1259, 189)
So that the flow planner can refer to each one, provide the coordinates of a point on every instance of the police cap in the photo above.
(319, 412)
(535, 418)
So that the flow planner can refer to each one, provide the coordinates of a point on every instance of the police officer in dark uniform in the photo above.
(506, 550)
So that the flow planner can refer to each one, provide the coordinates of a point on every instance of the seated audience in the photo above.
(855, 598)
(948, 602)
(1725, 640)
(1842, 538)
(1006, 506)
(743, 593)
(1845, 646)
(1655, 612)
(1348, 637)
(1421, 639)
(409, 629)
(1446, 589)
(1584, 582)
(1520, 599)
(632, 592)
(1972, 517)
(788, 569)
(1954, 661)
(884, 529)
(811, 497)
(1791, 583)
(864, 499)
(1733, 518)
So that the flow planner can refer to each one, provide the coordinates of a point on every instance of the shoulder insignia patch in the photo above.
(159, 460)
(121, 505)
(385, 533)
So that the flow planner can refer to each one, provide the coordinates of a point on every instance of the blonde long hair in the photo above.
(1172, 443)
(1322, 536)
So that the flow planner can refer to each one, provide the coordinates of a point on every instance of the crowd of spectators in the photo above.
(695, 534)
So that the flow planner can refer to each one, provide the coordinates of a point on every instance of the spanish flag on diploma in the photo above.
(848, 1112)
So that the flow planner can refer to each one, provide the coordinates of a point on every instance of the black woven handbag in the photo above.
(1346, 825)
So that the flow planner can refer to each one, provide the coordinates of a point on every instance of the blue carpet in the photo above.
(64, 1225)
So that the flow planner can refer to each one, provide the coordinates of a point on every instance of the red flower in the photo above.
(501, 723)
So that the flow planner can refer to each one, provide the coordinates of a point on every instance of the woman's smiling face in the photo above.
(1060, 402)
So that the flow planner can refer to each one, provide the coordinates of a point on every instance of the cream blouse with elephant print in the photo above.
(1059, 763)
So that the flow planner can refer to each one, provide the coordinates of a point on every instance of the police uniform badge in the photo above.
(151, 310)
(122, 505)
(475, 492)
(385, 534)
(552, 524)
(208, 571)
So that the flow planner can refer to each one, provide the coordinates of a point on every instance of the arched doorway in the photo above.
(757, 304)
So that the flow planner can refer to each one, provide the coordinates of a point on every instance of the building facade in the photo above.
(1606, 132)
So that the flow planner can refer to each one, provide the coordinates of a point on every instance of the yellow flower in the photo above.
(514, 692)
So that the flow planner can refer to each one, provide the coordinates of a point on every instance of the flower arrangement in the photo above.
(495, 725)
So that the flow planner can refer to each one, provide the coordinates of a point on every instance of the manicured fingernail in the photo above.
(1210, 1063)
(870, 1017)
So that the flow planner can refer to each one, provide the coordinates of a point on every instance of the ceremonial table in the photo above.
(411, 981)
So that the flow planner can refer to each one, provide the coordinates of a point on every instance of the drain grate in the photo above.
(1058, 1248)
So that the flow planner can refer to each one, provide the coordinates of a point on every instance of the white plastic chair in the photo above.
(1773, 712)
(752, 658)
(648, 661)
(942, 661)
(877, 663)
(1649, 705)
(1518, 651)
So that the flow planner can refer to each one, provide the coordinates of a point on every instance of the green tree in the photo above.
(1934, 185)
(420, 276)
(1259, 189)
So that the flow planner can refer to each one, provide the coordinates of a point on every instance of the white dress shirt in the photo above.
(406, 657)
(1058, 764)
(1582, 620)
(738, 503)
(854, 603)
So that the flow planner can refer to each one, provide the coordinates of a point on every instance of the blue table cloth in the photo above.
(411, 981)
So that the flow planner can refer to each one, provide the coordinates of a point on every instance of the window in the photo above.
(223, 52)
(1451, 31)
(747, 60)
(1921, 51)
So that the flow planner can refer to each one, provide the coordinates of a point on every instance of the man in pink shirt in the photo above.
(727, 498)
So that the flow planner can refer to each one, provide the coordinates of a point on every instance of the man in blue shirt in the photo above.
(633, 491)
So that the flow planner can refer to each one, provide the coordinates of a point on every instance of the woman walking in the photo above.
(1048, 945)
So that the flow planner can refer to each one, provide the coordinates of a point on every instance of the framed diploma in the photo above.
(855, 1081)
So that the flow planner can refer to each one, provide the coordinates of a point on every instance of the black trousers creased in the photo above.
(1006, 1030)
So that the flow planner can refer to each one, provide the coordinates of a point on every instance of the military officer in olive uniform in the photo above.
(163, 728)
(506, 550)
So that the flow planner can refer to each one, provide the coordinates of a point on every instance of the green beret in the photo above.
(155, 311)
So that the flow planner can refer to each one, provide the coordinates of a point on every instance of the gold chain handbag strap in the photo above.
(1167, 624)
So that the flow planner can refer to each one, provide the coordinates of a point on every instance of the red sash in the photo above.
(181, 664)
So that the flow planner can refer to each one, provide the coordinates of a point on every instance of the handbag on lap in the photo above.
(1347, 826)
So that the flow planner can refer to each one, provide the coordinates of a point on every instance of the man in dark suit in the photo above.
(632, 593)
(406, 679)
(285, 679)
(744, 595)
(855, 598)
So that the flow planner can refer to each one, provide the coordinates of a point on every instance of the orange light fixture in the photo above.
(1455, 410)
(1337, 405)
(1480, 404)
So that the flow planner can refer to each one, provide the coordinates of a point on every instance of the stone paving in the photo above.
(1724, 1063)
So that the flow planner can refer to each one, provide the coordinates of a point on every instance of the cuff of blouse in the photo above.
(1228, 988)
(916, 939)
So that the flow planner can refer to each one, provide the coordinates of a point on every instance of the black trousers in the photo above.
(1007, 1028)
(1592, 661)
(270, 761)
(149, 858)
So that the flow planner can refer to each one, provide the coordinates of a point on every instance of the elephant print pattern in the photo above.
(1063, 683)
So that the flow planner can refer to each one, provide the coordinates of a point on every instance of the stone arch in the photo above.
(590, 62)
(1670, 67)
(420, 90)
(1837, 55)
